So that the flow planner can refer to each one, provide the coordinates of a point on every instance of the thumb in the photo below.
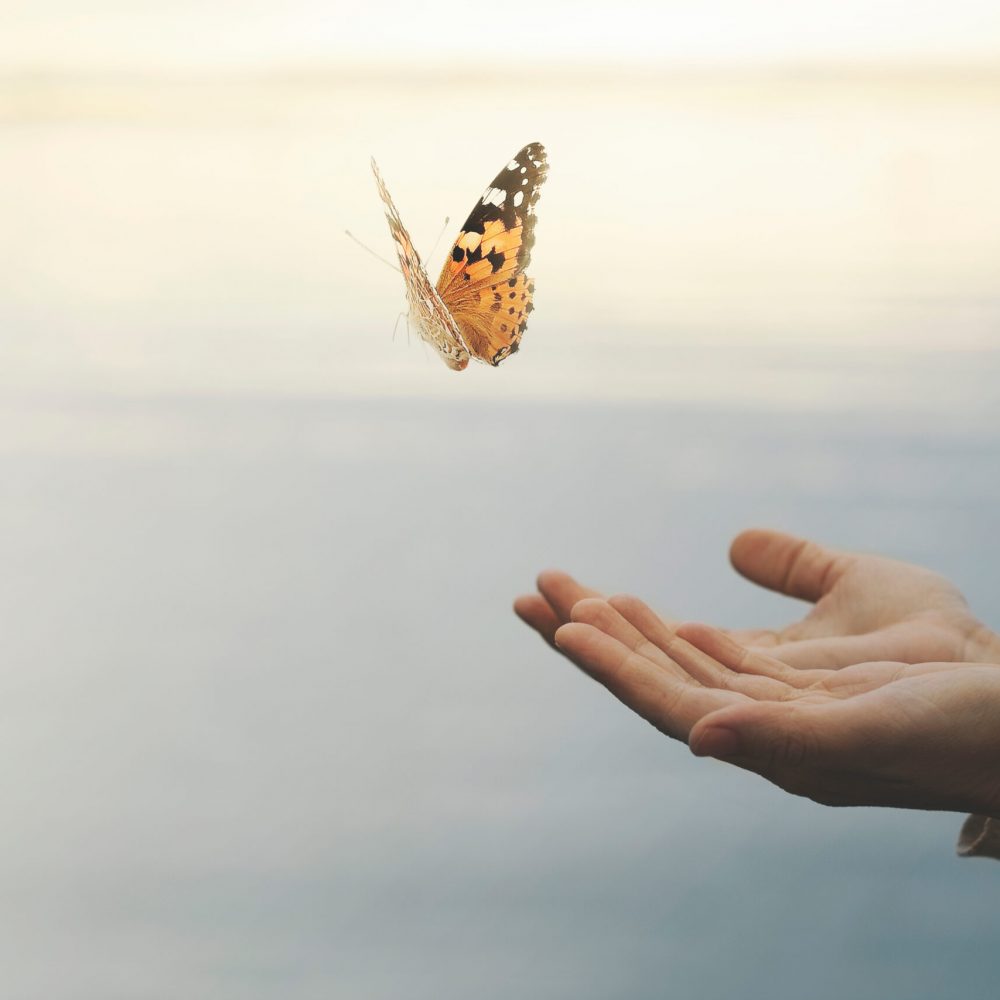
(789, 565)
(765, 735)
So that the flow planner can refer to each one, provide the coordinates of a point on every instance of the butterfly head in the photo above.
(457, 364)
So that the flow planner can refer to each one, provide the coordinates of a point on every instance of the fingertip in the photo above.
(694, 632)
(571, 634)
(549, 578)
(523, 604)
(744, 545)
(626, 603)
(715, 741)
(587, 609)
(729, 719)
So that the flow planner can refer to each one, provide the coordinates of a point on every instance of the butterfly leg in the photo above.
(395, 326)
(408, 331)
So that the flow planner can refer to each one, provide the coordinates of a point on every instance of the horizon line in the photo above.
(569, 70)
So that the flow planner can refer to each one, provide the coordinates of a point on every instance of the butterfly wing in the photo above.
(430, 315)
(482, 283)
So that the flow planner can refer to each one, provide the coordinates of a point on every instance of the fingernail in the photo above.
(717, 741)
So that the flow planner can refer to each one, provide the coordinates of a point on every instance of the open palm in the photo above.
(875, 733)
(865, 608)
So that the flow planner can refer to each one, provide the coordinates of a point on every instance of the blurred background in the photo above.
(268, 725)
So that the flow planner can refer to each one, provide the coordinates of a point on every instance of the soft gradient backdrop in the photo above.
(269, 728)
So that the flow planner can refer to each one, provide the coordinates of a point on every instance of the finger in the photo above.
(668, 703)
(743, 660)
(901, 642)
(639, 614)
(762, 638)
(562, 591)
(701, 666)
(602, 615)
(788, 741)
(535, 611)
(642, 617)
(789, 565)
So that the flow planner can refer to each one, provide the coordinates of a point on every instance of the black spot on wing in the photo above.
(480, 215)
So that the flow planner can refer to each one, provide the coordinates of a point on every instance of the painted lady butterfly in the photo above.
(480, 305)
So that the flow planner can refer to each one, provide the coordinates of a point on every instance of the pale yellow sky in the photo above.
(177, 35)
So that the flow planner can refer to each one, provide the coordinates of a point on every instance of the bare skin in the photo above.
(886, 693)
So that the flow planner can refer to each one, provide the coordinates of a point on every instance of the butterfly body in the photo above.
(480, 305)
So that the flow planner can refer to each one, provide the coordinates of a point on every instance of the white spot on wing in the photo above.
(518, 198)
(494, 196)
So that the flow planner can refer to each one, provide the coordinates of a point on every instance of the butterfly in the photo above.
(480, 305)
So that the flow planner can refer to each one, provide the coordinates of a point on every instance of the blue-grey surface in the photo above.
(269, 728)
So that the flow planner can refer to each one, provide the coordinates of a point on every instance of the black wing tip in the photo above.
(533, 155)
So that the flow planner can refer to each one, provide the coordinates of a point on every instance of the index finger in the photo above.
(670, 704)
(546, 610)
(562, 591)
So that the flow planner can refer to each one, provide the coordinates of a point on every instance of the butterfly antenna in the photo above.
(372, 252)
(438, 240)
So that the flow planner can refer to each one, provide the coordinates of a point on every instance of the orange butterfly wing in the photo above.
(483, 283)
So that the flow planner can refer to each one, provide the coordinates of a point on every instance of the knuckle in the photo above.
(797, 556)
(643, 647)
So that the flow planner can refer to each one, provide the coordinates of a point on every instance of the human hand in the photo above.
(551, 606)
(866, 608)
(923, 736)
